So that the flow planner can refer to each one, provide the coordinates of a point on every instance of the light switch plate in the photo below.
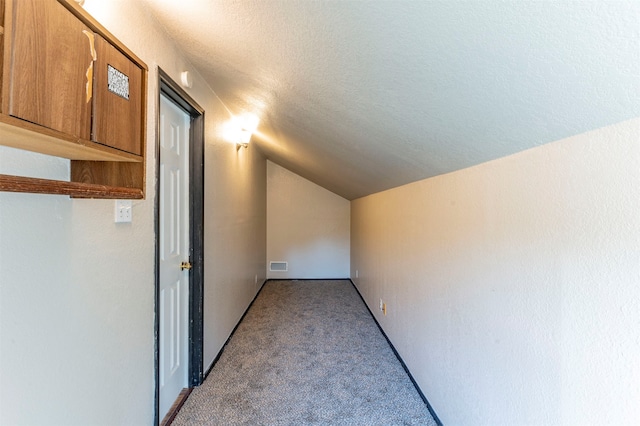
(124, 211)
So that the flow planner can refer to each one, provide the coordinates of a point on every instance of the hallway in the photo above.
(307, 352)
(471, 167)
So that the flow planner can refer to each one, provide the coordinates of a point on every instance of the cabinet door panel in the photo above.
(51, 63)
(117, 119)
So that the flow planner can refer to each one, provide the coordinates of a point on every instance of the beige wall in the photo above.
(77, 290)
(513, 287)
(307, 226)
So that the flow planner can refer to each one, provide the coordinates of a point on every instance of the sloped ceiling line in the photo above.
(360, 97)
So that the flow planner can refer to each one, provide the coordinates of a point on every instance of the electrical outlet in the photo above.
(381, 304)
(255, 281)
(356, 273)
(123, 211)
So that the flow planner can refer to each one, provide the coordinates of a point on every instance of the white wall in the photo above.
(235, 239)
(513, 287)
(77, 290)
(307, 226)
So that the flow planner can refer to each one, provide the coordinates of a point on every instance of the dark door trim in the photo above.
(169, 88)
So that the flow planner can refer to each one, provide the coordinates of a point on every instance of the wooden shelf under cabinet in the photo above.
(75, 189)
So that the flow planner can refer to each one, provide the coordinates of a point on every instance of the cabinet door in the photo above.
(51, 67)
(117, 112)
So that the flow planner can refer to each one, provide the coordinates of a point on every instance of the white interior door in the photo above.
(174, 250)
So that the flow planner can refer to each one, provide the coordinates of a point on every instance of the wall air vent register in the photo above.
(278, 266)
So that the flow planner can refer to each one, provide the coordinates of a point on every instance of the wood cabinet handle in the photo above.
(94, 57)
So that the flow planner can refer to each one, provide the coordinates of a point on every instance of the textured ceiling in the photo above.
(362, 96)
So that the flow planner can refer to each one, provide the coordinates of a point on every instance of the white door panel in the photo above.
(174, 249)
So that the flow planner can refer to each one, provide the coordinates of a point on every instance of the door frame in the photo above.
(170, 89)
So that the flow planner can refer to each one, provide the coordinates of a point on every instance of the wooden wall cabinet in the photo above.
(72, 90)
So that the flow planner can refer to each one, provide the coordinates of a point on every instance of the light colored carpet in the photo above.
(306, 353)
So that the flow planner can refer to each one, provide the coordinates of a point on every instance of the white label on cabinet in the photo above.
(118, 82)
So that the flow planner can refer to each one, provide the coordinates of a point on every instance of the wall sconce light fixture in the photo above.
(244, 137)
(244, 127)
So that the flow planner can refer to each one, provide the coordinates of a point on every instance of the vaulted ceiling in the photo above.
(362, 96)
